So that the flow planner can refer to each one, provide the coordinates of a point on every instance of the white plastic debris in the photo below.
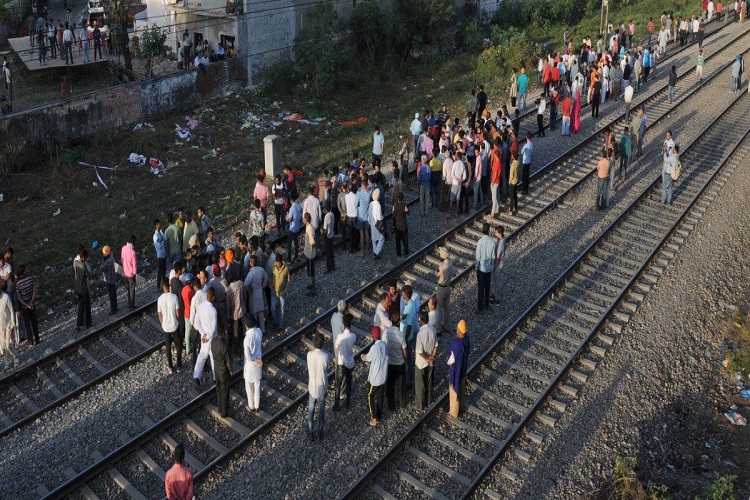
(57, 213)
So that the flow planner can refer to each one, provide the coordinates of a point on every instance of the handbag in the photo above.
(380, 226)
(676, 171)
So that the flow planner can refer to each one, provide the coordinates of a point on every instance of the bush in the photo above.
(509, 48)
(471, 37)
(320, 49)
(282, 77)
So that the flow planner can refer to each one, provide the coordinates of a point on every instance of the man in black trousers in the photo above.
(222, 372)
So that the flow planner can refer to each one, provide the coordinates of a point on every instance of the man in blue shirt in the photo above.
(294, 217)
(423, 178)
(484, 262)
(363, 207)
(161, 254)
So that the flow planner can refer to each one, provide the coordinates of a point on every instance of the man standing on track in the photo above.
(443, 294)
(484, 263)
(344, 349)
(205, 323)
(458, 360)
(253, 372)
(178, 482)
(378, 358)
(642, 124)
(129, 269)
(7, 323)
(160, 247)
(222, 372)
(602, 181)
(425, 351)
(317, 386)
(395, 386)
(168, 309)
(499, 263)
(526, 154)
(81, 274)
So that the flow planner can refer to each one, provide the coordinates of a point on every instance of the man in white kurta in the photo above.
(205, 322)
(7, 323)
(252, 347)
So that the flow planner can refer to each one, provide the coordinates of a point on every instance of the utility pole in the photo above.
(604, 19)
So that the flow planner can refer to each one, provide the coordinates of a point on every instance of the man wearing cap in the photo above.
(129, 268)
(107, 268)
(378, 358)
(416, 130)
(443, 294)
(425, 351)
(458, 360)
(317, 386)
(253, 373)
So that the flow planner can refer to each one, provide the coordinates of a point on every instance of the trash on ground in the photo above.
(123, 216)
(2, 197)
(19, 200)
(139, 126)
(350, 123)
(157, 166)
(735, 417)
(57, 213)
(182, 133)
(745, 393)
(137, 159)
(192, 123)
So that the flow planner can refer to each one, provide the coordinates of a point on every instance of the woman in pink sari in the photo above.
(576, 114)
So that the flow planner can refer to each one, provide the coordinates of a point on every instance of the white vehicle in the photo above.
(96, 14)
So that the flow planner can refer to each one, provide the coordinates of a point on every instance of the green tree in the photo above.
(117, 11)
(320, 49)
(426, 21)
(367, 27)
(153, 47)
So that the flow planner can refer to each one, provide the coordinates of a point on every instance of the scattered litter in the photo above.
(139, 126)
(726, 362)
(2, 197)
(95, 244)
(350, 123)
(192, 123)
(182, 133)
(50, 312)
(57, 213)
(735, 417)
(745, 393)
(157, 166)
(96, 171)
(123, 216)
(137, 159)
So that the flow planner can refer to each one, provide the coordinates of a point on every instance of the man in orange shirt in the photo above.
(602, 174)
(178, 482)
(567, 106)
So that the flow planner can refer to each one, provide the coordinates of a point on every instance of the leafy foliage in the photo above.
(471, 37)
(509, 48)
(153, 47)
(722, 488)
(377, 32)
(427, 22)
(320, 49)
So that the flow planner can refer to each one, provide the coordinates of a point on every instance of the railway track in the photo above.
(535, 369)
(211, 440)
(59, 376)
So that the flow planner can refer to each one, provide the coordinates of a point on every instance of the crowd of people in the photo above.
(64, 38)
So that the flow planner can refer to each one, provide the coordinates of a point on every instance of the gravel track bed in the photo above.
(198, 448)
(60, 379)
(12, 406)
(448, 456)
(506, 391)
(104, 355)
(206, 421)
(564, 232)
(468, 440)
(145, 330)
(123, 342)
(429, 476)
(634, 392)
(105, 487)
(82, 368)
(36, 391)
(141, 477)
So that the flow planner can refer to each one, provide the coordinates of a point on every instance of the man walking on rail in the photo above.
(458, 361)
(205, 323)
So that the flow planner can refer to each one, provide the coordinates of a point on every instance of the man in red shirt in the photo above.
(187, 294)
(129, 269)
(496, 173)
(650, 28)
(178, 482)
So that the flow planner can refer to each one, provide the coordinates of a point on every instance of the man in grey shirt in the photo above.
(425, 352)
(395, 385)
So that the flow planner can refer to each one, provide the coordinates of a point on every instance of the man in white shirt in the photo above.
(311, 206)
(447, 179)
(351, 220)
(317, 386)
(381, 318)
(205, 323)
(378, 144)
(425, 352)
(68, 40)
(458, 176)
(344, 348)
(168, 308)
(378, 358)
(416, 130)
(395, 385)
(253, 372)
(628, 100)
